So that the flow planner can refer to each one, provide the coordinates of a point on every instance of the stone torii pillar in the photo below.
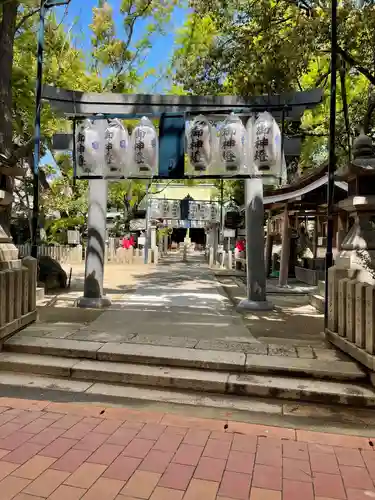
(93, 296)
(256, 273)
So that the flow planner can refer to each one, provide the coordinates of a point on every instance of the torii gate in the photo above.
(77, 105)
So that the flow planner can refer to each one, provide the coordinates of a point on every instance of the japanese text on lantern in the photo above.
(175, 208)
(228, 145)
(139, 146)
(81, 150)
(109, 147)
(262, 133)
(196, 143)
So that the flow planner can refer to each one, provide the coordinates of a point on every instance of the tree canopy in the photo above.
(248, 47)
(116, 63)
(253, 47)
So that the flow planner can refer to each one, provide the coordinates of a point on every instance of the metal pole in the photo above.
(37, 139)
(147, 225)
(74, 153)
(332, 156)
(282, 142)
(222, 212)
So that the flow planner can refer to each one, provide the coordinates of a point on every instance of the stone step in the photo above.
(179, 357)
(317, 301)
(321, 288)
(283, 413)
(302, 389)
(202, 381)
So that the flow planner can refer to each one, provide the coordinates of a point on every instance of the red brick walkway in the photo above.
(69, 452)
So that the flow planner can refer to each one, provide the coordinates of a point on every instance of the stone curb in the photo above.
(201, 381)
(180, 357)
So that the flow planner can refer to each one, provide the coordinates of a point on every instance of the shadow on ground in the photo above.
(293, 320)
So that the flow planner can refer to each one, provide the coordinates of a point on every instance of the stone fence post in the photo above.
(32, 266)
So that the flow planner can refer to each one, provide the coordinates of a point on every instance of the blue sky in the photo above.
(79, 16)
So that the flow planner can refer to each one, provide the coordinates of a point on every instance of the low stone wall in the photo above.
(136, 256)
(18, 297)
(351, 318)
(309, 276)
(66, 254)
(61, 253)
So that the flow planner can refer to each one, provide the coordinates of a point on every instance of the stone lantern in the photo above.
(8, 251)
(351, 281)
(357, 254)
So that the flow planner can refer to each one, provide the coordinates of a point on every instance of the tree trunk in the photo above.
(7, 34)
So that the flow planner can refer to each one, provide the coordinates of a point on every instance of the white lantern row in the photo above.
(204, 211)
(233, 149)
(171, 209)
(165, 209)
(104, 148)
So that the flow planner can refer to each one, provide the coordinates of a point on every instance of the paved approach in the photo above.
(57, 451)
(181, 302)
(184, 305)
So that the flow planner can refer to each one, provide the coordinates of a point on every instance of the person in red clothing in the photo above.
(127, 242)
(240, 245)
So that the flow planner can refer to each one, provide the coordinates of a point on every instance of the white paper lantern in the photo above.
(90, 148)
(250, 125)
(144, 149)
(279, 168)
(116, 148)
(264, 149)
(232, 145)
(175, 209)
(200, 144)
(264, 154)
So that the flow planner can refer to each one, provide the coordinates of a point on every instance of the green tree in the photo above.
(63, 205)
(124, 58)
(264, 47)
(17, 85)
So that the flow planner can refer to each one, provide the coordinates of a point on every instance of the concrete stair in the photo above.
(123, 371)
(317, 299)
(181, 357)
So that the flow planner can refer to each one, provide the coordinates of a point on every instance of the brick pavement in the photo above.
(61, 451)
